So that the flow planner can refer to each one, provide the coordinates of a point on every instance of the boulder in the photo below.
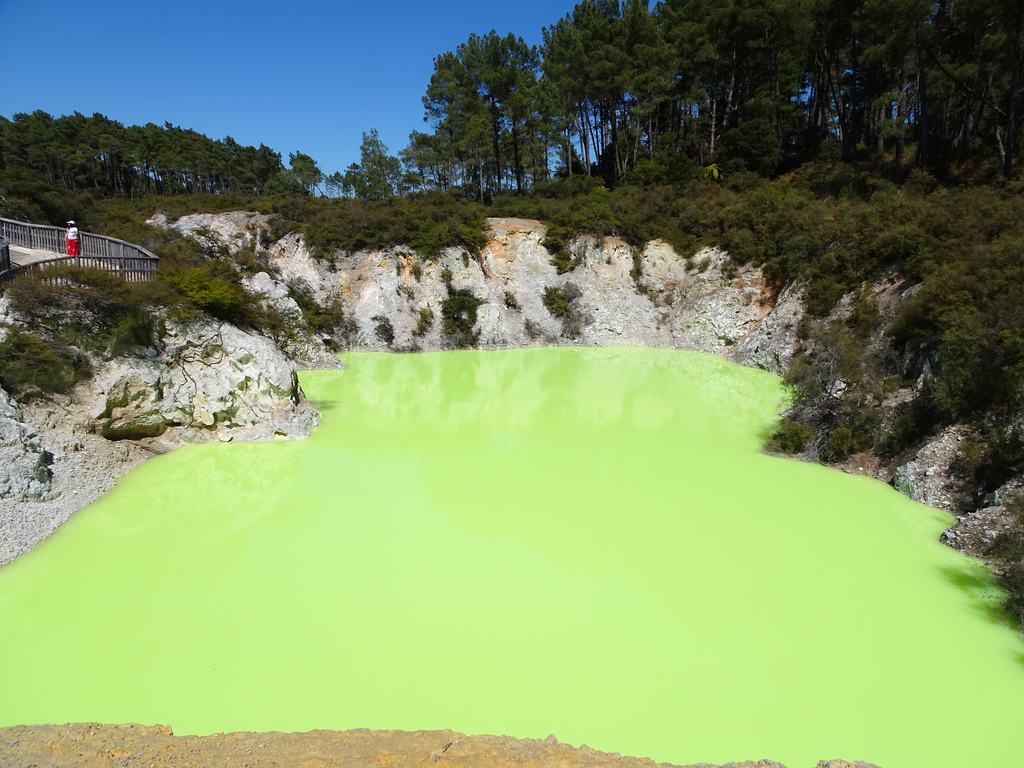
(927, 477)
(233, 229)
(770, 341)
(210, 380)
(23, 472)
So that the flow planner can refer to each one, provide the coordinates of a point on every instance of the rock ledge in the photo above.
(84, 745)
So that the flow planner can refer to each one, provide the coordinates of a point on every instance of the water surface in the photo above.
(583, 542)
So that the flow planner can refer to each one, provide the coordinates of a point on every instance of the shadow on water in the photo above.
(979, 584)
(325, 406)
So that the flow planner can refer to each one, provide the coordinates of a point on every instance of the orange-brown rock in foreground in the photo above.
(85, 745)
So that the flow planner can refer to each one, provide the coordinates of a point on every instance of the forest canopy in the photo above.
(748, 84)
(621, 89)
(96, 153)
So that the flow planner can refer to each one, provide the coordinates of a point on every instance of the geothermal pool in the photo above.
(584, 542)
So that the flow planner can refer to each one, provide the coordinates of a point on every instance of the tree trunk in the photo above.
(515, 159)
(1013, 101)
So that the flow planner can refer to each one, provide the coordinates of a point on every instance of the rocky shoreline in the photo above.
(209, 381)
(82, 467)
(212, 381)
(86, 745)
(55, 457)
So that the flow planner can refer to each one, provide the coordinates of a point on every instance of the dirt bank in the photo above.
(86, 745)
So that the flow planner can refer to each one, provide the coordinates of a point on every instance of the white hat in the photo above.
(71, 222)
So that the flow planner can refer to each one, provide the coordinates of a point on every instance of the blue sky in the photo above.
(302, 76)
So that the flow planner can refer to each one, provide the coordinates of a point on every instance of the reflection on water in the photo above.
(578, 541)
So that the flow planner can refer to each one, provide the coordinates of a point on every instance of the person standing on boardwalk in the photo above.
(72, 237)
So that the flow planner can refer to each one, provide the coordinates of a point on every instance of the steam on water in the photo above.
(583, 542)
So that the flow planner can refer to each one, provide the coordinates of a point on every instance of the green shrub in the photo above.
(564, 261)
(428, 223)
(821, 295)
(458, 313)
(384, 331)
(637, 270)
(741, 245)
(790, 437)
(425, 323)
(320, 318)
(207, 291)
(133, 333)
(556, 300)
(88, 308)
(29, 365)
(840, 443)
(561, 302)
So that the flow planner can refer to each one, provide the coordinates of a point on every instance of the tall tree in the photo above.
(378, 175)
(458, 113)
(481, 101)
(306, 171)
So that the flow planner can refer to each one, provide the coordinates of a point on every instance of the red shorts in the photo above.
(73, 247)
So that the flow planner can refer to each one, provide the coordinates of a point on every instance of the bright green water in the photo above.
(583, 542)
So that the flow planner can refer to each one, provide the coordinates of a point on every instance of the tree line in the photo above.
(758, 85)
(621, 89)
(76, 152)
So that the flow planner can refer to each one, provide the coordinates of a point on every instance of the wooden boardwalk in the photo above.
(20, 255)
(35, 249)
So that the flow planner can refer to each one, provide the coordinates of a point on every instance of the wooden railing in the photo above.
(129, 269)
(132, 262)
(5, 254)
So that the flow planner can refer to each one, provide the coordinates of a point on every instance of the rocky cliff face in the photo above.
(673, 302)
(616, 297)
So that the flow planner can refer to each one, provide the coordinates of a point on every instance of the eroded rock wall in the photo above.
(618, 297)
